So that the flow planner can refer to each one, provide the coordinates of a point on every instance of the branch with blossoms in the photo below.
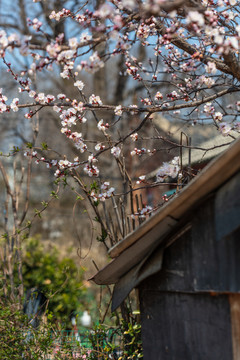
(46, 101)
(169, 56)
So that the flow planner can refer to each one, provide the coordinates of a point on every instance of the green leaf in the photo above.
(29, 145)
(38, 213)
(16, 149)
(94, 186)
(103, 236)
(54, 194)
(136, 312)
(44, 146)
(79, 198)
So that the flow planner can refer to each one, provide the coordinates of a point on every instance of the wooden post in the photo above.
(234, 301)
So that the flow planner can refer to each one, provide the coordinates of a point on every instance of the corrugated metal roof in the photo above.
(199, 133)
(214, 147)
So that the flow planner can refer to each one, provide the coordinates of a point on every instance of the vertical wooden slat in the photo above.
(234, 301)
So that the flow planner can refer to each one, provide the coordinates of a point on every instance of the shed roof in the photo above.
(199, 133)
(203, 152)
(131, 253)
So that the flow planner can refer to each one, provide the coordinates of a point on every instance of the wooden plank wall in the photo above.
(234, 300)
(190, 310)
(181, 326)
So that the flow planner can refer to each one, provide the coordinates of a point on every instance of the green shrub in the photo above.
(58, 278)
(18, 340)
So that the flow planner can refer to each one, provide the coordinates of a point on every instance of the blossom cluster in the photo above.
(35, 23)
(133, 71)
(95, 100)
(90, 168)
(3, 99)
(60, 14)
(92, 65)
(142, 151)
(224, 127)
(70, 117)
(61, 165)
(77, 138)
(146, 210)
(14, 104)
(118, 110)
(11, 41)
(116, 151)
(102, 127)
(168, 169)
(106, 192)
(141, 179)
(134, 136)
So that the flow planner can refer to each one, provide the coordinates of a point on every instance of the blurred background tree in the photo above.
(57, 277)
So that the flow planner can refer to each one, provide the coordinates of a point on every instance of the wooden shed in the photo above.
(185, 261)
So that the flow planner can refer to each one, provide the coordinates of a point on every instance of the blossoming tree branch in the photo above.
(176, 58)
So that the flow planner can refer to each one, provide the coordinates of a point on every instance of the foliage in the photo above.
(101, 343)
(133, 342)
(18, 339)
(121, 343)
(58, 278)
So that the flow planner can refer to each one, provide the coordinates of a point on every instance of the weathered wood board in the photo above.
(190, 310)
(185, 326)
